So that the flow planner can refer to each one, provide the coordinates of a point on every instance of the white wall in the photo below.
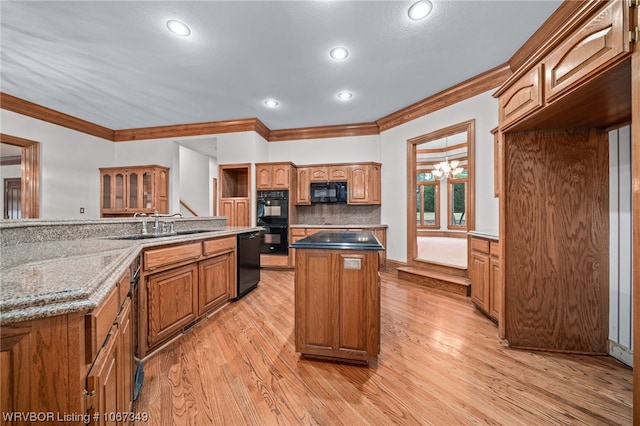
(484, 109)
(195, 182)
(330, 150)
(69, 162)
(620, 246)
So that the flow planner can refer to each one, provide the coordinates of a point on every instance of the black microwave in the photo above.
(329, 192)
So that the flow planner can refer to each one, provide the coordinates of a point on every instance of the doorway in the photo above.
(12, 196)
(30, 174)
(441, 175)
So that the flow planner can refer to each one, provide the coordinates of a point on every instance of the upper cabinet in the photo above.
(274, 175)
(584, 54)
(135, 189)
(363, 181)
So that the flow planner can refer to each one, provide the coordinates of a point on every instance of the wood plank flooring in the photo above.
(441, 363)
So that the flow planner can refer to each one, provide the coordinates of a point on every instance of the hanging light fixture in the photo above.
(445, 169)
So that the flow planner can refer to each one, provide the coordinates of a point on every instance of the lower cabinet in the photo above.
(337, 304)
(181, 284)
(484, 272)
(171, 302)
(213, 283)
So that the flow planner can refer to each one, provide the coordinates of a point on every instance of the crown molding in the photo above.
(320, 132)
(474, 86)
(192, 129)
(20, 106)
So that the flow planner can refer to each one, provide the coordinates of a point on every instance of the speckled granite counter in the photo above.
(46, 278)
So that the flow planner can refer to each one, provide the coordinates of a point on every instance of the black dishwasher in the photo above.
(248, 262)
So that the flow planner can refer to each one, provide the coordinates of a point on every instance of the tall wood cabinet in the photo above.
(125, 191)
(235, 201)
(554, 112)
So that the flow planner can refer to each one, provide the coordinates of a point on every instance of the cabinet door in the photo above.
(522, 98)
(159, 198)
(352, 305)
(214, 280)
(125, 334)
(495, 288)
(103, 380)
(227, 208)
(16, 365)
(119, 191)
(106, 192)
(589, 51)
(315, 301)
(479, 274)
(263, 177)
(280, 176)
(171, 302)
(134, 184)
(358, 185)
(319, 174)
(243, 215)
(338, 173)
(375, 184)
(303, 196)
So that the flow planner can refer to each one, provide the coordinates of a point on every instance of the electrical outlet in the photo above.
(81, 210)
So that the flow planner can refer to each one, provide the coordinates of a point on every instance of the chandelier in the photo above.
(445, 169)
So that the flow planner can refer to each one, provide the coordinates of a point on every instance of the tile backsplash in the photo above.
(338, 214)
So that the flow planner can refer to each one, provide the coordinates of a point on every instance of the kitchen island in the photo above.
(337, 296)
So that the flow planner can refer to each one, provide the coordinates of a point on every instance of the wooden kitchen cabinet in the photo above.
(125, 191)
(319, 173)
(337, 312)
(364, 184)
(522, 98)
(181, 283)
(303, 194)
(235, 201)
(484, 272)
(237, 211)
(588, 51)
(274, 175)
(172, 302)
(215, 281)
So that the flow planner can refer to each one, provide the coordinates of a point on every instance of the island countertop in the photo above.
(340, 240)
(42, 279)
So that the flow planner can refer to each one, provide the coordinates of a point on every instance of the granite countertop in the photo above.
(337, 226)
(41, 279)
(489, 234)
(340, 240)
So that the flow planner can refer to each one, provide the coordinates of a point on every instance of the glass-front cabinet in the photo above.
(135, 189)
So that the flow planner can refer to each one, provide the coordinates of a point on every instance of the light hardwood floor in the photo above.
(440, 363)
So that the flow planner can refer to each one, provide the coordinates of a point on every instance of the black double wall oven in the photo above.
(273, 216)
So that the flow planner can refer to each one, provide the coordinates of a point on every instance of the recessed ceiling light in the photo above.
(345, 96)
(271, 103)
(420, 9)
(339, 53)
(178, 28)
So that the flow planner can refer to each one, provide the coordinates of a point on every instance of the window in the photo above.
(457, 201)
(427, 204)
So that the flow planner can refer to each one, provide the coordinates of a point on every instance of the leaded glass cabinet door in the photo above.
(120, 192)
(134, 189)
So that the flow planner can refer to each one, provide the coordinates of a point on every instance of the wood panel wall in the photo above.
(557, 262)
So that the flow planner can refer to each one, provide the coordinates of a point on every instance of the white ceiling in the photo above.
(113, 63)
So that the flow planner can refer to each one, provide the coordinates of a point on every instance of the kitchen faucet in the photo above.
(144, 222)
(156, 220)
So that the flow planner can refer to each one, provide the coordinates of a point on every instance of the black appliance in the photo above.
(328, 192)
(248, 252)
(273, 216)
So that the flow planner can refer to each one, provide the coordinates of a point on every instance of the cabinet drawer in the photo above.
(298, 232)
(218, 245)
(522, 98)
(156, 258)
(98, 323)
(480, 245)
(588, 52)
